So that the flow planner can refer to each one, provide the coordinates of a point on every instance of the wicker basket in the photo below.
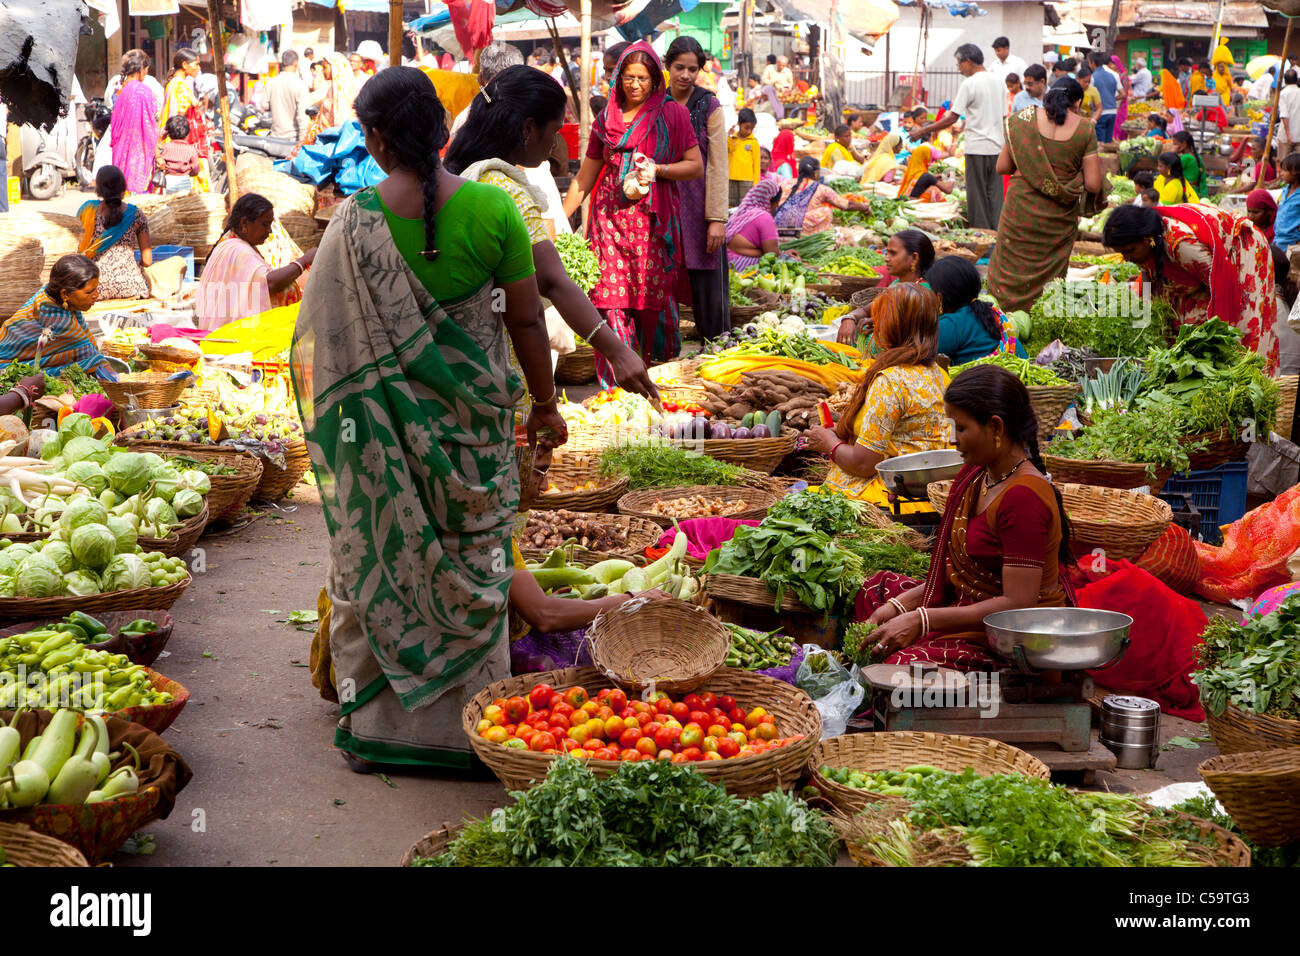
(740, 589)
(1221, 446)
(119, 350)
(576, 468)
(872, 753)
(849, 285)
(229, 493)
(743, 313)
(641, 534)
(777, 769)
(667, 645)
(1236, 731)
(151, 599)
(1121, 523)
(23, 846)
(1104, 474)
(183, 537)
(1286, 408)
(639, 503)
(577, 367)
(808, 137)
(1049, 403)
(145, 390)
(277, 482)
(157, 717)
(1261, 792)
(864, 298)
(431, 844)
(169, 353)
(756, 454)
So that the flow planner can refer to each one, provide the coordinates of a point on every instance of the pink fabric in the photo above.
(1272, 599)
(162, 331)
(760, 230)
(96, 406)
(233, 286)
(135, 134)
(704, 534)
(755, 207)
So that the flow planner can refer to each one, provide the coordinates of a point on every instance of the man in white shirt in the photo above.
(982, 103)
(784, 75)
(1262, 88)
(1004, 62)
(1288, 112)
(304, 66)
(1140, 80)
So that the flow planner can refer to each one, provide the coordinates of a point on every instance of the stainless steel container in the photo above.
(1130, 729)
(1058, 638)
(917, 470)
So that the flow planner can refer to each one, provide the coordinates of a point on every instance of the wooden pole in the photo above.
(584, 83)
(563, 60)
(395, 33)
(215, 24)
(1272, 116)
(1112, 28)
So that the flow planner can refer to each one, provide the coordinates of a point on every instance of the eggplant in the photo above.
(719, 430)
(698, 427)
(742, 432)
(760, 431)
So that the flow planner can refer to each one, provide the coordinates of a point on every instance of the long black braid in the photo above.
(401, 105)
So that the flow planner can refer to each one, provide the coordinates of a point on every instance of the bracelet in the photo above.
(22, 395)
(925, 621)
(898, 605)
(831, 455)
(550, 401)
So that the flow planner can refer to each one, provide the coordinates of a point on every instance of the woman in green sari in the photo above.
(400, 365)
(1050, 154)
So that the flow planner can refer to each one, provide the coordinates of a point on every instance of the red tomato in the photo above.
(737, 715)
(693, 754)
(540, 696)
(605, 754)
(516, 709)
(602, 695)
(726, 702)
(643, 718)
(663, 706)
(715, 730)
(556, 698)
(682, 712)
(510, 729)
(693, 702)
(679, 758)
(560, 721)
(593, 744)
(629, 737)
(665, 755)
(525, 733)
(538, 718)
(692, 734)
(666, 737)
(565, 708)
(646, 746)
(727, 747)
(542, 740)
(617, 699)
(575, 697)
(628, 756)
(652, 728)
(709, 699)
(714, 755)
(604, 713)
(627, 713)
(641, 707)
(569, 744)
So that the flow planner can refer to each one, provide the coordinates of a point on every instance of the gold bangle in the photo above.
(925, 621)
(898, 605)
(555, 393)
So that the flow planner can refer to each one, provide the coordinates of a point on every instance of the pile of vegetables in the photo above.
(579, 261)
(1112, 390)
(659, 464)
(646, 814)
(94, 558)
(1254, 666)
(698, 506)
(756, 651)
(616, 576)
(698, 727)
(1107, 317)
(854, 644)
(964, 819)
(547, 530)
(851, 261)
(779, 275)
(1106, 268)
(58, 767)
(736, 292)
(1139, 435)
(889, 783)
(828, 510)
(261, 418)
(802, 347)
(1206, 807)
(1023, 369)
(86, 678)
(810, 247)
(792, 398)
(72, 380)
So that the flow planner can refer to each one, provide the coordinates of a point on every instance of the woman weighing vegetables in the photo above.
(1003, 543)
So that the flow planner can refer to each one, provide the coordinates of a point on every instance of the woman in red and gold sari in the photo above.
(1003, 542)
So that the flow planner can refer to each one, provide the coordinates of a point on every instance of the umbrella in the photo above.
(1259, 66)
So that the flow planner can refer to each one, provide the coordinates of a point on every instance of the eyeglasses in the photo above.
(638, 80)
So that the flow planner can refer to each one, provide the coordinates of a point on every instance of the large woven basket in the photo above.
(1236, 731)
(1104, 474)
(157, 717)
(669, 645)
(743, 313)
(641, 534)
(740, 589)
(24, 846)
(897, 750)
(756, 454)
(120, 350)
(276, 482)
(1050, 403)
(863, 298)
(169, 353)
(1261, 792)
(577, 367)
(431, 844)
(1221, 447)
(183, 537)
(145, 390)
(776, 769)
(639, 503)
(229, 493)
(151, 599)
(569, 469)
(1121, 523)
(847, 285)
(98, 829)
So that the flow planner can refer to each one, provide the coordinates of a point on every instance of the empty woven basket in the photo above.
(672, 644)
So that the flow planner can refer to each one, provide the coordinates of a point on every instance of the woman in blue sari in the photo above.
(111, 231)
(805, 204)
(49, 331)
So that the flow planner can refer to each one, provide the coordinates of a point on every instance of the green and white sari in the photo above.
(408, 411)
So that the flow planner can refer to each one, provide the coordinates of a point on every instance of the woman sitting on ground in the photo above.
(51, 325)
(908, 256)
(969, 327)
(111, 231)
(751, 230)
(806, 204)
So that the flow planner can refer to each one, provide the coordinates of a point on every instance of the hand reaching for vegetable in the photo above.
(821, 440)
(546, 427)
(632, 375)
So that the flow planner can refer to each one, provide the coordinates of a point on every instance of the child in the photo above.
(1013, 88)
(1148, 197)
(1172, 185)
(743, 160)
(179, 159)
(1142, 181)
(1157, 126)
(1286, 224)
(840, 158)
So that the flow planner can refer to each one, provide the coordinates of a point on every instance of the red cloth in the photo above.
(161, 331)
(930, 649)
(1165, 634)
(473, 21)
(1225, 285)
(783, 150)
(1172, 558)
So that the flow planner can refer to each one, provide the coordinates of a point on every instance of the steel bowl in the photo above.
(917, 470)
(1058, 638)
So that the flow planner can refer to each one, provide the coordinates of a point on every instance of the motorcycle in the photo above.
(243, 120)
(51, 156)
(98, 116)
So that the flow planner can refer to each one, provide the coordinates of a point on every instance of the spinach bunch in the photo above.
(828, 510)
(1255, 666)
(580, 263)
(1137, 435)
(1204, 806)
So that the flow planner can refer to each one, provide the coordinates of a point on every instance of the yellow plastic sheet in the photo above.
(265, 335)
(727, 371)
(455, 90)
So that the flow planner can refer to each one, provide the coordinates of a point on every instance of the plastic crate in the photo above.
(1219, 494)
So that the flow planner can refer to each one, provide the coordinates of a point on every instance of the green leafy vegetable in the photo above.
(661, 464)
(579, 261)
(1255, 666)
(1138, 436)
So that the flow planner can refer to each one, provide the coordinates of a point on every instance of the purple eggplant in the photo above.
(719, 430)
(760, 431)
(742, 432)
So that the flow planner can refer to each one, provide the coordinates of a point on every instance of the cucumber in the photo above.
(747, 421)
(774, 423)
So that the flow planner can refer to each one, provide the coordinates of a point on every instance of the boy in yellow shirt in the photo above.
(743, 157)
(1090, 108)
(840, 158)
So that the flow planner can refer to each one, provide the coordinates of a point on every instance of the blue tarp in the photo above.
(339, 154)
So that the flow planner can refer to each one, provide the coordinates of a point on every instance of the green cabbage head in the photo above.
(93, 545)
(127, 472)
(38, 577)
(126, 571)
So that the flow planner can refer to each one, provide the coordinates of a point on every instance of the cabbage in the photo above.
(52, 448)
(83, 448)
(57, 533)
(81, 583)
(11, 504)
(196, 481)
(153, 462)
(159, 512)
(124, 531)
(83, 511)
(60, 554)
(126, 571)
(93, 545)
(19, 552)
(127, 472)
(6, 585)
(187, 503)
(76, 425)
(38, 576)
(165, 483)
(8, 563)
(89, 474)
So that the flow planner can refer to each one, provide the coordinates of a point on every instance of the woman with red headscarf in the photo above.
(783, 159)
(1261, 209)
(642, 144)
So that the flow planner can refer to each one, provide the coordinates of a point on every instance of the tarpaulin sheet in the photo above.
(264, 335)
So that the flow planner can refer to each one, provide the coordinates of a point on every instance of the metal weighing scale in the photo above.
(907, 476)
(1038, 702)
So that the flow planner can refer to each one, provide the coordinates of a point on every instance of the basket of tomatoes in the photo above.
(744, 731)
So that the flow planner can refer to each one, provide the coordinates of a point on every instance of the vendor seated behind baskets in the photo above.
(239, 279)
(898, 408)
(969, 327)
(50, 324)
(1003, 543)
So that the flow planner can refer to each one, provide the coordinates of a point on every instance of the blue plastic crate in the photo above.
(1219, 493)
(166, 252)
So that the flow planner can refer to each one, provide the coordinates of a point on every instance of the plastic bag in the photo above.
(836, 691)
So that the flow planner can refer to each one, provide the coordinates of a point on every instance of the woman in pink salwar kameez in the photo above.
(135, 124)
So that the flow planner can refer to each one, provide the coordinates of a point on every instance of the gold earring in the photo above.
(1151, 243)
(997, 443)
